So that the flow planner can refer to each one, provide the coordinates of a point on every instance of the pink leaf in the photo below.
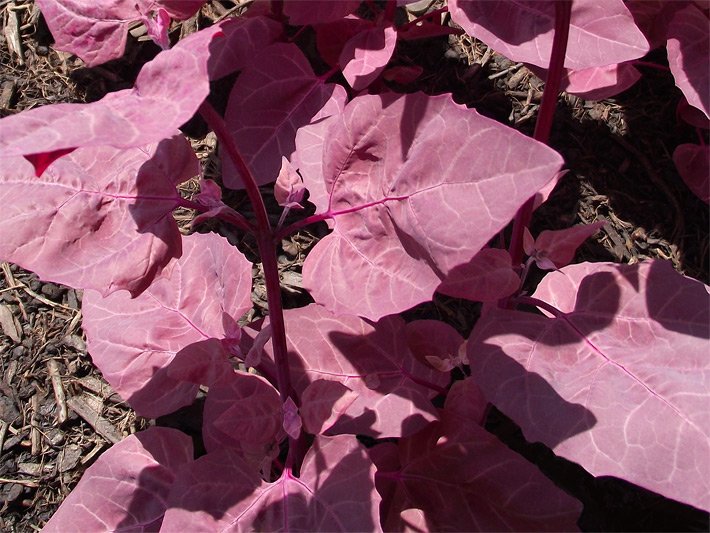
(372, 361)
(253, 357)
(559, 246)
(158, 24)
(602, 32)
(598, 83)
(468, 481)
(270, 101)
(97, 33)
(289, 188)
(693, 164)
(127, 488)
(403, 74)
(167, 92)
(243, 412)
(98, 218)
(403, 218)
(323, 402)
(688, 55)
(134, 340)
(366, 54)
(318, 11)
(488, 277)
(292, 420)
(335, 492)
(624, 368)
(692, 115)
(465, 406)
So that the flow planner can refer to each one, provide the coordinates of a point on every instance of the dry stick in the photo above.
(59, 396)
(35, 435)
(25, 482)
(3, 433)
(102, 426)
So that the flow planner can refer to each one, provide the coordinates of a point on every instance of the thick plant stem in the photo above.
(267, 250)
(543, 125)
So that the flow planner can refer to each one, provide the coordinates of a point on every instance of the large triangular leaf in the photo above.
(602, 32)
(127, 488)
(99, 218)
(276, 95)
(133, 341)
(416, 186)
(334, 492)
(624, 369)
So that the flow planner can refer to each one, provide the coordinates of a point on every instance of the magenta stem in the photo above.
(267, 250)
(543, 126)
(313, 219)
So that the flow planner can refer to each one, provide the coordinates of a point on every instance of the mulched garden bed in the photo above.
(57, 414)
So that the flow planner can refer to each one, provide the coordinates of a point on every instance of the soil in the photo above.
(57, 414)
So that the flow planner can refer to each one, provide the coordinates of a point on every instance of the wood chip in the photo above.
(103, 427)
(12, 33)
(8, 324)
(59, 396)
(69, 457)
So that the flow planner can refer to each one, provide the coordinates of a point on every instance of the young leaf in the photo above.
(276, 95)
(602, 32)
(133, 341)
(243, 413)
(556, 248)
(99, 218)
(416, 185)
(335, 492)
(289, 189)
(366, 54)
(624, 367)
(127, 488)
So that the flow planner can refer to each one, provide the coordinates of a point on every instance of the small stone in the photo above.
(18, 351)
(52, 291)
(51, 348)
(9, 492)
(54, 436)
(35, 285)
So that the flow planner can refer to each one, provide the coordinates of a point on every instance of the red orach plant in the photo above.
(611, 373)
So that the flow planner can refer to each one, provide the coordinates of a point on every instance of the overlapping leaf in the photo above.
(133, 341)
(602, 32)
(99, 218)
(167, 93)
(270, 101)
(624, 369)
(461, 478)
(416, 186)
(127, 488)
(334, 492)
(96, 31)
(374, 362)
(318, 11)
(366, 54)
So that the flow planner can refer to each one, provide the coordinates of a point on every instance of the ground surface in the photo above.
(57, 414)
